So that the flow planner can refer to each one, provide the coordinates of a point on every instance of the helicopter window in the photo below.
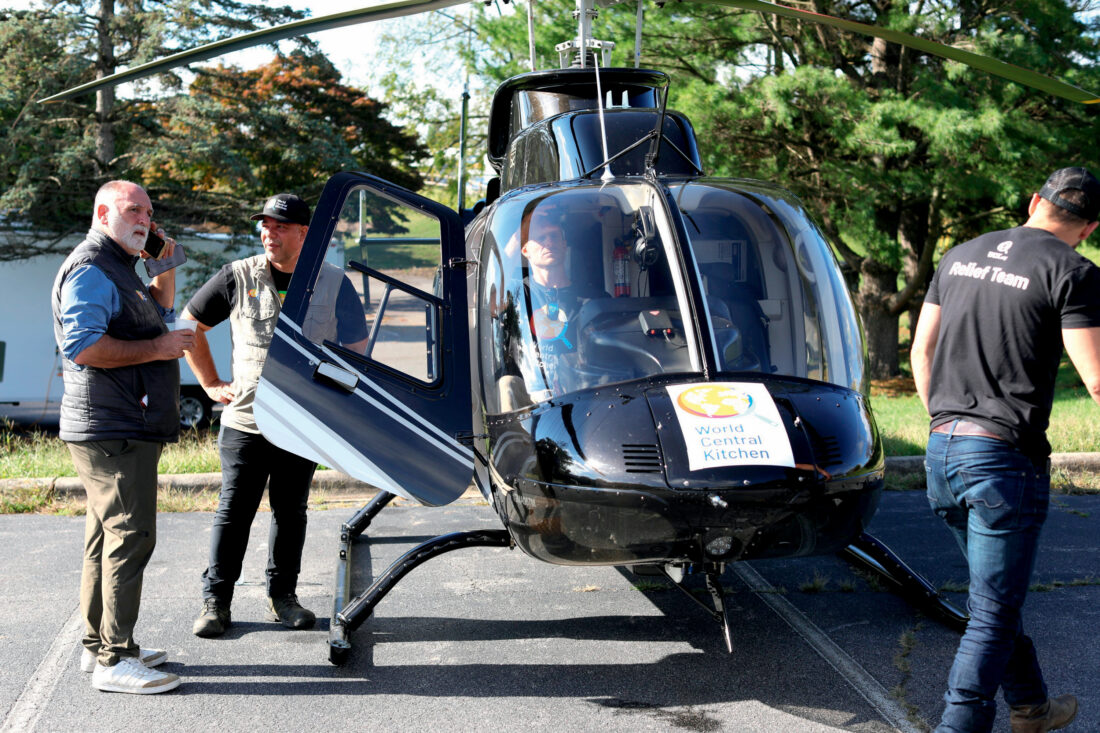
(533, 105)
(629, 128)
(532, 158)
(392, 253)
(576, 291)
(729, 263)
(569, 147)
(789, 312)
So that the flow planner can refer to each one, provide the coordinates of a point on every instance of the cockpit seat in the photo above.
(744, 311)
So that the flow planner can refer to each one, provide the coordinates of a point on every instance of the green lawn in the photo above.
(901, 419)
(394, 255)
(1074, 424)
(38, 455)
(399, 256)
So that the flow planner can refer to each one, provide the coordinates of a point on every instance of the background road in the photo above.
(489, 639)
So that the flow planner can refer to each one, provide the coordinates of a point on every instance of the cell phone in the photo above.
(177, 258)
(154, 244)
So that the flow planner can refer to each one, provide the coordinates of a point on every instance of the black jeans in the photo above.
(248, 462)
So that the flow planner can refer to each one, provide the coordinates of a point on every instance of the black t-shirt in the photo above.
(214, 301)
(1005, 298)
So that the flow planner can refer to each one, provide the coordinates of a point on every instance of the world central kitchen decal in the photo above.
(730, 424)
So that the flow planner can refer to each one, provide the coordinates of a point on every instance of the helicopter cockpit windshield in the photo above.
(760, 256)
(577, 291)
(584, 286)
(762, 259)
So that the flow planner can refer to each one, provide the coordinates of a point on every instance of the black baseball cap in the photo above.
(285, 207)
(1069, 179)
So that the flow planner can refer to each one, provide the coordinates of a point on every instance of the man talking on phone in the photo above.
(121, 405)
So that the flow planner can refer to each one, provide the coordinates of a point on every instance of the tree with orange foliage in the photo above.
(54, 157)
(285, 126)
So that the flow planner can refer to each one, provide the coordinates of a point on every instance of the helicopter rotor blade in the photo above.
(380, 11)
(1017, 74)
(401, 8)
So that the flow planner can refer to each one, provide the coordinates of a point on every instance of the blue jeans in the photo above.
(994, 500)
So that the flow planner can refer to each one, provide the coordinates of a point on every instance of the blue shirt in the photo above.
(89, 300)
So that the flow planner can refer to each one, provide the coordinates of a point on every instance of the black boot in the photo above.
(214, 620)
(287, 611)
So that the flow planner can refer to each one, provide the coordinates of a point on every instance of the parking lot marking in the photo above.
(859, 678)
(24, 714)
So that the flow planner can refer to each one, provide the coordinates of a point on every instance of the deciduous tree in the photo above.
(241, 135)
(54, 157)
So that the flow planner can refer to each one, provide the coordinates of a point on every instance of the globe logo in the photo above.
(716, 401)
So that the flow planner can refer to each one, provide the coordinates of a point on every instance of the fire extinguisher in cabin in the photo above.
(619, 258)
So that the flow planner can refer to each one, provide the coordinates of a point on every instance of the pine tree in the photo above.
(895, 152)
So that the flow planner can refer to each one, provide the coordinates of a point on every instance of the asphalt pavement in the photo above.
(489, 639)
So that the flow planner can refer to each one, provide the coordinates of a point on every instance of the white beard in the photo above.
(137, 242)
(129, 239)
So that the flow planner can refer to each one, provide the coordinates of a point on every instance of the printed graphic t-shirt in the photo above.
(1005, 298)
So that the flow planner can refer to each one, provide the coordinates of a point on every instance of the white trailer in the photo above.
(30, 365)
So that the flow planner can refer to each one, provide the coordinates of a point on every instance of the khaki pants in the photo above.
(120, 479)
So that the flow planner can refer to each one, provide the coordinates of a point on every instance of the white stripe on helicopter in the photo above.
(336, 451)
(418, 424)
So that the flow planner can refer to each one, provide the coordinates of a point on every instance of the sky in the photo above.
(353, 50)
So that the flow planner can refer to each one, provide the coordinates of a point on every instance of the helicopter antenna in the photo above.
(607, 174)
(462, 144)
(585, 12)
(531, 32)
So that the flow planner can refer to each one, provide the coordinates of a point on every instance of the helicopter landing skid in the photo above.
(717, 596)
(871, 554)
(349, 530)
(347, 617)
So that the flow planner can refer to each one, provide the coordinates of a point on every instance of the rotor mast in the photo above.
(584, 42)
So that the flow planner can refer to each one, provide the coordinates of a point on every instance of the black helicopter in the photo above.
(635, 364)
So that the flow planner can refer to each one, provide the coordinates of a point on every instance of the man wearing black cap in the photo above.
(985, 356)
(249, 293)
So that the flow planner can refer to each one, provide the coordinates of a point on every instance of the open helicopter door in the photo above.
(368, 371)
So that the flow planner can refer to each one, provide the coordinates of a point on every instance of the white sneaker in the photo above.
(130, 675)
(149, 657)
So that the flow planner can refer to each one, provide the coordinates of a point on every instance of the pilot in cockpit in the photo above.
(552, 300)
(555, 299)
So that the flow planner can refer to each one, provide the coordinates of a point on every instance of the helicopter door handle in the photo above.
(338, 376)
